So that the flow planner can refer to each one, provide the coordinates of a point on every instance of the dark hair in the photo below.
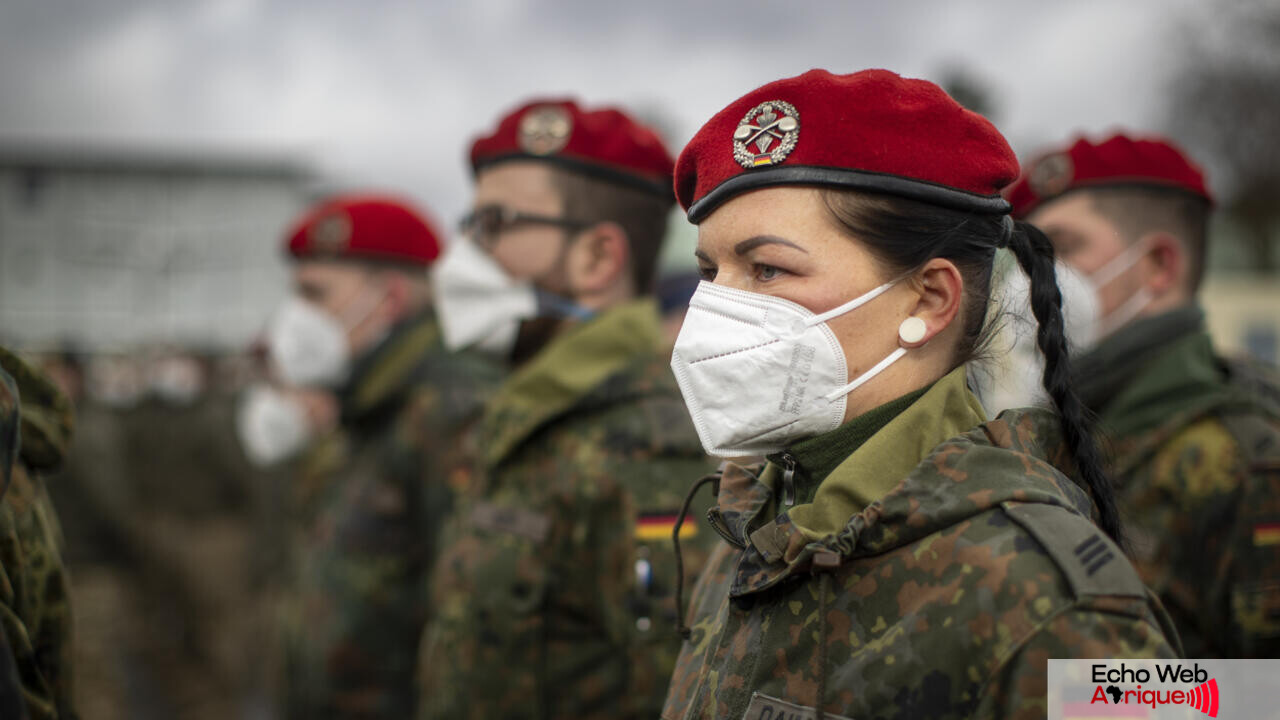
(905, 234)
(642, 216)
(1136, 211)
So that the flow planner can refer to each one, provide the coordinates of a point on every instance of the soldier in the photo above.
(11, 705)
(370, 493)
(35, 608)
(898, 556)
(555, 591)
(1195, 438)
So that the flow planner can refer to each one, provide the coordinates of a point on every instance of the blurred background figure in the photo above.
(364, 387)
(1195, 437)
(555, 590)
(35, 603)
(674, 290)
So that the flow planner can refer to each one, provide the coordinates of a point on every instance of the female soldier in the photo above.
(897, 556)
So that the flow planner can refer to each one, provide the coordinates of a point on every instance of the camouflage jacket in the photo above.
(370, 498)
(11, 704)
(35, 607)
(555, 593)
(1195, 443)
(930, 578)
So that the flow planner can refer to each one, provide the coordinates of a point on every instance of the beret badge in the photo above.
(331, 234)
(1051, 175)
(766, 135)
(545, 130)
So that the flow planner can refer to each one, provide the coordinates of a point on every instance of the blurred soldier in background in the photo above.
(357, 349)
(35, 610)
(554, 589)
(1195, 438)
(11, 703)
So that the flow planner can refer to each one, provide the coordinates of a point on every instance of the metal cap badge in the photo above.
(1051, 175)
(331, 234)
(545, 130)
(766, 135)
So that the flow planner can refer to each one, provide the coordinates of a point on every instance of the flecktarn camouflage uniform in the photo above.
(942, 596)
(1195, 446)
(371, 498)
(11, 704)
(35, 607)
(555, 590)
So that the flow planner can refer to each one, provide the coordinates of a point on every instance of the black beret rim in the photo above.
(1118, 184)
(592, 169)
(909, 188)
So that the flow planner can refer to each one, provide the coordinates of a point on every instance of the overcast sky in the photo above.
(388, 94)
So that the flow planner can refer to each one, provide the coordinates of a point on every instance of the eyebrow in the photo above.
(752, 243)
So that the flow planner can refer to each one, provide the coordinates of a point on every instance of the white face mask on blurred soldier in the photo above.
(275, 424)
(521, 258)
(338, 312)
(1131, 277)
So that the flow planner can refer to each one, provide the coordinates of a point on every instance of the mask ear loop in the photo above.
(852, 305)
(858, 382)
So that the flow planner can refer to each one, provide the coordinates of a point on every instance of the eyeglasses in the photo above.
(485, 224)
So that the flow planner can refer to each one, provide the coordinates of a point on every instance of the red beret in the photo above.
(871, 130)
(1118, 161)
(367, 227)
(604, 143)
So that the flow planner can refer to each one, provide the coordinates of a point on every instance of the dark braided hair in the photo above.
(905, 234)
(1035, 255)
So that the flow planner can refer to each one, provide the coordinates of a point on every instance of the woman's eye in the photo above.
(765, 273)
(707, 273)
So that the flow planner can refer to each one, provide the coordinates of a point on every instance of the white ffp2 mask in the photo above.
(309, 347)
(1130, 308)
(477, 302)
(271, 426)
(758, 371)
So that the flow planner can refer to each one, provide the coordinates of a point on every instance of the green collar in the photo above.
(47, 417)
(945, 410)
(816, 457)
(1179, 374)
(565, 372)
(380, 378)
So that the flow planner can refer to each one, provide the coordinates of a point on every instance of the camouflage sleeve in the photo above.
(9, 423)
(1208, 536)
(10, 687)
(1111, 628)
(1253, 583)
(34, 599)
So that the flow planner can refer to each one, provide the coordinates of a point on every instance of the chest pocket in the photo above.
(512, 574)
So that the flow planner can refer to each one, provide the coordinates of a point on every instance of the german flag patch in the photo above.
(659, 526)
(1263, 534)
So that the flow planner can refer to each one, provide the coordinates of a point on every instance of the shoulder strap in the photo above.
(1091, 562)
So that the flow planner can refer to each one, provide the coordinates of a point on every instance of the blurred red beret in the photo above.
(1118, 161)
(368, 227)
(604, 143)
(872, 130)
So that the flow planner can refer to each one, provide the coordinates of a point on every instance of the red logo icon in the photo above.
(1205, 698)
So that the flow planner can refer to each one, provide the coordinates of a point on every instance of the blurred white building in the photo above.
(109, 250)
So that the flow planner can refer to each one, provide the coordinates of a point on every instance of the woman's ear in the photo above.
(940, 290)
(599, 259)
